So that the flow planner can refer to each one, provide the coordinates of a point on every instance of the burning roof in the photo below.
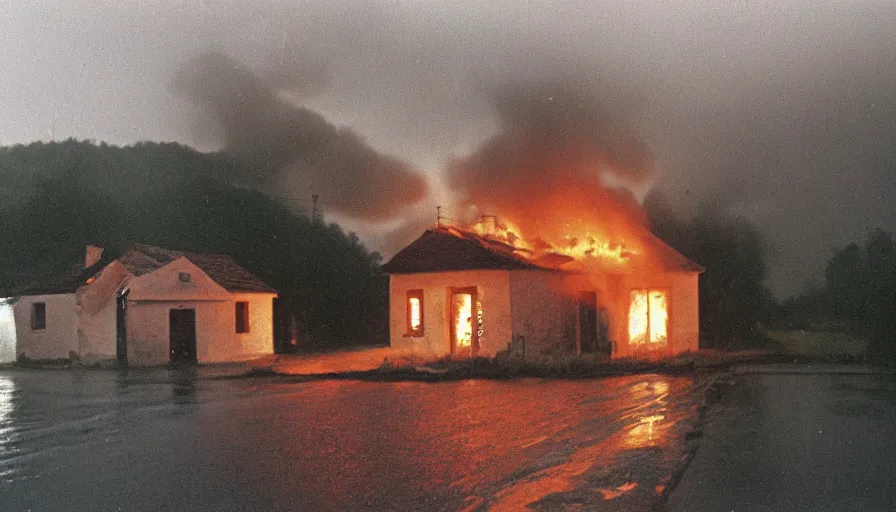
(449, 248)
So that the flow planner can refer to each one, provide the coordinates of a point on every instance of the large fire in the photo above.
(602, 229)
(579, 244)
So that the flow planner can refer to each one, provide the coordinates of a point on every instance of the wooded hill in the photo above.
(57, 197)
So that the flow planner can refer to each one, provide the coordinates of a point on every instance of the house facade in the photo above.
(150, 306)
(455, 292)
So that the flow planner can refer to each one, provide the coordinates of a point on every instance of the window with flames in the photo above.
(415, 313)
(648, 319)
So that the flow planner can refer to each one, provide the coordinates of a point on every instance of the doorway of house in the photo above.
(121, 327)
(182, 333)
(594, 325)
(464, 331)
(587, 302)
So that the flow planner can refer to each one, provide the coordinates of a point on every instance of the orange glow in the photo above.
(504, 231)
(576, 240)
(463, 305)
(90, 280)
(658, 317)
(648, 319)
(414, 304)
(646, 432)
(480, 331)
(637, 318)
(609, 494)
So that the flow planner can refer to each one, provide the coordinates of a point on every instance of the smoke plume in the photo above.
(284, 146)
(549, 168)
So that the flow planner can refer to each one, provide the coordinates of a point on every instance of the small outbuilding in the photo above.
(456, 292)
(149, 306)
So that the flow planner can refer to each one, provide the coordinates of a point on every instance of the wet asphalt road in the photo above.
(176, 440)
(796, 442)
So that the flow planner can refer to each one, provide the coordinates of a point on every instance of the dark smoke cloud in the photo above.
(280, 143)
(783, 115)
(556, 147)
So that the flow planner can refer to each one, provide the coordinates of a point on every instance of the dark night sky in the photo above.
(782, 112)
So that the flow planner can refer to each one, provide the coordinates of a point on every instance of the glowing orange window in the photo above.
(415, 313)
(648, 318)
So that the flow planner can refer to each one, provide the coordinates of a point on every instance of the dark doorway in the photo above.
(464, 322)
(587, 305)
(121, 327)
(182, 333)
(284, 342)
(604, 345)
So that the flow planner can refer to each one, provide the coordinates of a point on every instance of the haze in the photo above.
(783, 113)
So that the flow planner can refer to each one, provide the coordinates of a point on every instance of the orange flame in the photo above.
(581, 246)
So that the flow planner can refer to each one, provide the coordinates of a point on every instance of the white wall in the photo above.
(493, 288)
(257, 342)
(543, 310)
(682, 303)
(148, 329)
(60, 338)
(97, 313)
(216, 337)
(685, 315)
(7, 333)
(165, 284)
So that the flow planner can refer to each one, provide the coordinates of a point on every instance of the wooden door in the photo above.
(587, 302)
(182, 333)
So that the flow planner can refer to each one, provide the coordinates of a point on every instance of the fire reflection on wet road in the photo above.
(141, 440)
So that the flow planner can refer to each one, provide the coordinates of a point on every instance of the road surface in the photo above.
(175, 440)
(794, 439)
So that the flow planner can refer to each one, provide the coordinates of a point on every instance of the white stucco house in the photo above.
(456, 292)
(149, 306)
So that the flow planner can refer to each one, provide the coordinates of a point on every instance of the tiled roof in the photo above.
(447, 248)
(143, 259)
(66, 282)
(672, 259)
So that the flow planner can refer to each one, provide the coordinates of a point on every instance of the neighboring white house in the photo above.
(456, 292)
(150, 306)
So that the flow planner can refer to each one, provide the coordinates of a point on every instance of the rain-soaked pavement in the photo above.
(797, 439)
(169, 440)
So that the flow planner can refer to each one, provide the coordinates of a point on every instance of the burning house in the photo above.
(483, 290)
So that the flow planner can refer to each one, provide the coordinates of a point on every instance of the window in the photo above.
(647, 318)
(184, 277)
(415, 313)
(38, 316)
(242, 317)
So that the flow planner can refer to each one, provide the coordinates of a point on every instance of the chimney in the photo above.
(92, 255)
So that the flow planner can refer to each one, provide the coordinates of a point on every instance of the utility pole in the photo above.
(314, 208)
(438, 216)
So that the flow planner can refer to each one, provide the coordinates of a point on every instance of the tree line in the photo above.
(857, 296)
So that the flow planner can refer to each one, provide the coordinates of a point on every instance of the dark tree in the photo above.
(733, 296)
(881, 255)
(846, 277)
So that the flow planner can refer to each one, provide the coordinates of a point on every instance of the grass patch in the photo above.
(824, 344)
